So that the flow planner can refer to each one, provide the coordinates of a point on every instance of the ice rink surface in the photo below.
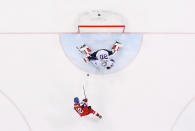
(38, 82)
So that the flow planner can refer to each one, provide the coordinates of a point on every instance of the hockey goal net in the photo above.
(101, 21)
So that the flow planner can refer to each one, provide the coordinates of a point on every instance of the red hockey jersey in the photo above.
(83, 111)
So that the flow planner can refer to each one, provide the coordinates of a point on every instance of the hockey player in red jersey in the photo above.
(83, 109)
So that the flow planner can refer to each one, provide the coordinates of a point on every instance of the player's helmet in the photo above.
(76, 100)
(110, 64)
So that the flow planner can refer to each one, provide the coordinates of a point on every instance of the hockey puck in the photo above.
(87, 74)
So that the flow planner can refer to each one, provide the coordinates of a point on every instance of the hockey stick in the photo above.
(79, 49)
(86, 78)
(84, 91)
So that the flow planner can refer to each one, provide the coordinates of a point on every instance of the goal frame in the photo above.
(101, 26)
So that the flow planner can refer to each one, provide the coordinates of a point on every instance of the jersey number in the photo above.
(79, 110)
(103, 56)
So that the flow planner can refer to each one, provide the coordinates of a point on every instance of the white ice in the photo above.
(153, 93)
(146, 95)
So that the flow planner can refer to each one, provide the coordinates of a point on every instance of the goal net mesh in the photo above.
(100, 21)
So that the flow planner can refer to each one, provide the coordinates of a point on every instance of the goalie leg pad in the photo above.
(116, 46)
(86, 59)
(85, 49)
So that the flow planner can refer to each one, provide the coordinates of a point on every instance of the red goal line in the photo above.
(100, 26)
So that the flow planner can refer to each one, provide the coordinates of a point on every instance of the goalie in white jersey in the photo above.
(102, 57)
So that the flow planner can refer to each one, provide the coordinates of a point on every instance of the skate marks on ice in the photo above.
(131, 45)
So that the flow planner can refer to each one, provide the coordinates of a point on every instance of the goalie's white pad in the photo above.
(116, 47)
(85, 49)
(86, 59)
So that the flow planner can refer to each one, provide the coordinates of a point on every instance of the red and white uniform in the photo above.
(82, 109)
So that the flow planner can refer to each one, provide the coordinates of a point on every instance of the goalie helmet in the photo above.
(108, 64)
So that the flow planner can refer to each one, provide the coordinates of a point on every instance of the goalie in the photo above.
(102, 57)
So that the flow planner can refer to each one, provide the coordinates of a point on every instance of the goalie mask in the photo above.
(108, 64)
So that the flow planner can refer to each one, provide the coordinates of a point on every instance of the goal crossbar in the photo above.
(100, 26)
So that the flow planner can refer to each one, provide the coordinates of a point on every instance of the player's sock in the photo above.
(93, 112)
